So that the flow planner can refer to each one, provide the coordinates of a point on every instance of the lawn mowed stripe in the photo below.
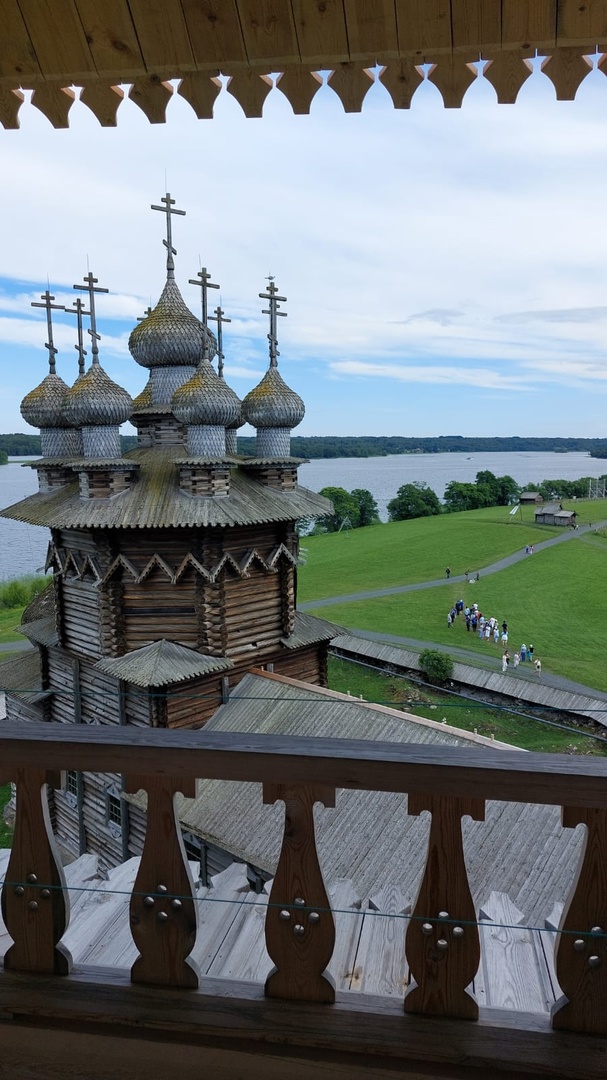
(555, 600)
(408, 552)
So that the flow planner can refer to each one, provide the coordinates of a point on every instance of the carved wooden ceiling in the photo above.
(101, 50)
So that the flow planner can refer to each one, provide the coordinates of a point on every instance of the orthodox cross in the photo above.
(167, 209)
(79, 310)
(205, 283)
(148, 311)
(47, 303)
(89, 287)
(272, 296)
(218, 317)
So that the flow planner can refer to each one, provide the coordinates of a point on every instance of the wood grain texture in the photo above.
(442, 943)
(54, 102)
(57, 38)
(200, 90)
(507, 71)
(581, 22)
(530, 24)
(152, 96)
(250, 90)
(300, 929)
(320, 26)
(215, 32)
(452, 76)
(581, 955)
(162, 35)
(17, 55)
(423, 25)
(103, 101)
(111, 37)
(351, 82)
(401, 79)
(299, 87)
(10, 103)
(268, 29)
(35, 906)
(163, 912)
(566, 69)
(476, 24)
(371, 26)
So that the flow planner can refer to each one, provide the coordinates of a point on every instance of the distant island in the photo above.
(362, 446)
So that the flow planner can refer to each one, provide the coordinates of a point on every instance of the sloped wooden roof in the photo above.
(53, 48)
(157, 502)
(521, 850)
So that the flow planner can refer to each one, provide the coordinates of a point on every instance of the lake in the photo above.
(23, 547)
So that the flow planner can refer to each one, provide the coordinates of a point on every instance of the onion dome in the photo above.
(96, 400)
(272, 404)
(206, 399)
(171, 335)
(144, 399)
(43, 406)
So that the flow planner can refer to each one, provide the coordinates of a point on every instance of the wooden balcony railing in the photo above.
(442, 939)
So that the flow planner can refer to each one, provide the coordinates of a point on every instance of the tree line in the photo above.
(357, 508)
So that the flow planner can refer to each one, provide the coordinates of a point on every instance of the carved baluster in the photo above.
(299, 87)
(351, 82)
(507, 71)
(300, 930)
(401, 79)
(103, 100)
(35, 907)
(54, 102)
(453, 76)
(250, 88)
(152, 95)
(200, 89)
(10, 103)
(567, 69)
(442, 943)
(163, 911)
(581, 948)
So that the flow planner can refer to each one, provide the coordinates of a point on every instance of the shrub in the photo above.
(436, 666)
(19, 593)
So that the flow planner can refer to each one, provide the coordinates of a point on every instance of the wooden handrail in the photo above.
(360, 764)
(442, 943)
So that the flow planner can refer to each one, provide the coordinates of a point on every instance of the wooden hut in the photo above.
(552, 513)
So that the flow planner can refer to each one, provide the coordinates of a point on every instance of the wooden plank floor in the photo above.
(516, 969)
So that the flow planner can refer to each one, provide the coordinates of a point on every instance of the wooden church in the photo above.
(174, 564)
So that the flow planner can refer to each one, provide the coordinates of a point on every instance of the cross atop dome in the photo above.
(168, 209)
(89, 287)
(219, 318)
(272, 296)
(205, 284)
(48, 304)
(78, 310)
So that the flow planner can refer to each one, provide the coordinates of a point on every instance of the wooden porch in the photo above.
(79, 1019)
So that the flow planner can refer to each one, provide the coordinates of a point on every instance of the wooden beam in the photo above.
(17, 56)
(321, 32)
(58, 39)
(163, 36)
(423, 26)
(501, 775)
(215, 32)
(371, 26)
(269, 34)
(111, 38)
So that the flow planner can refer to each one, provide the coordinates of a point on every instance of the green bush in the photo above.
(436, 666)
(19, 593)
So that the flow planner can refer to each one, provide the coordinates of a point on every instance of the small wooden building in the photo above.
(553, 514)
(530, 498)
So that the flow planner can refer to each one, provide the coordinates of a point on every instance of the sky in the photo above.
(446, 270)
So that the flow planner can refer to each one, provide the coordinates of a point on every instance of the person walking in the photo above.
(516, 659)
(448, 571)
(530, 654)
(504, 662)
(523, 653)
(538, 666)
(504, 637)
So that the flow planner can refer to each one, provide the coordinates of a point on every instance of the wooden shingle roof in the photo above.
(155, 501)
(521, 850)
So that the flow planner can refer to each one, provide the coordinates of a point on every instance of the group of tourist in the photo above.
(489, 629)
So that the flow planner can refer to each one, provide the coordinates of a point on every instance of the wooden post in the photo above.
(35, 905)
(300, 930)
(442, 942)
(581, 947)
(163, 912)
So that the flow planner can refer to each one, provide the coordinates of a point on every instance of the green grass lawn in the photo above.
(404, 552)
(6, 834)
(9, 618)
(555, 600)
(471, 716)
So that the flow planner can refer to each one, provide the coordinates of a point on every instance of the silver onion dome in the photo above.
(43, 407)
(170, 336)
(272, 404)
(95, 399)
(206, 399)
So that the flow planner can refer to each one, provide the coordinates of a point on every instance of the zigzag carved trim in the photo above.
(156, 562)
(191, 561)
(79, 565)
(120, 563)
